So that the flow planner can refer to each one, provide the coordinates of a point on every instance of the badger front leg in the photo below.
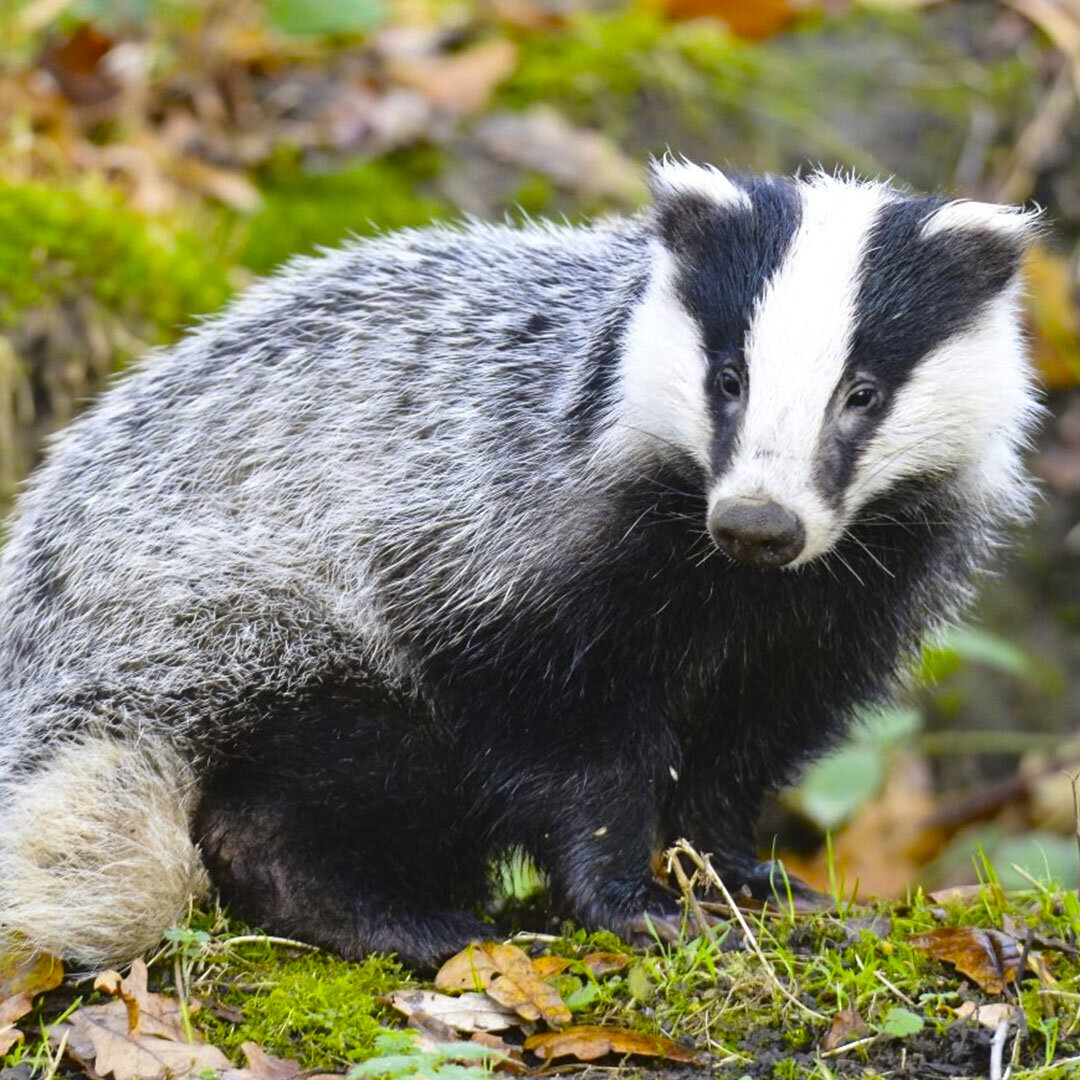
(715, 803)
(598, 847)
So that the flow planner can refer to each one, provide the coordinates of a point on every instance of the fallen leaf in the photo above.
(518, 987)
(989, 958)
(467, 1012)
(900, 1023)
(461, 82)
(11, 1009)
(138, 1036)
(22, 978)
(599, 964)
(549, 966)
(846, 1026)
(990, 1016)
(470, 969)
(587, 1042)
(509, 977)
(33, 975)
(264, 1066)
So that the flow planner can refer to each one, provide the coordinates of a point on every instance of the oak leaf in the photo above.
(22, 978)
(989, 958)
(138, 1036)
(599, 964)
(468, 1012)
(588, 1042)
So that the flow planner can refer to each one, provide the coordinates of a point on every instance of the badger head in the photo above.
(821, 346)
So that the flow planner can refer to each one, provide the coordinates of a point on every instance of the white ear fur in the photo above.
(1012, 221)
(670, 176)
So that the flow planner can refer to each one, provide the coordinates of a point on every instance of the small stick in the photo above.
(253, 939)
(686, 886)
(997, 1049)
(706, 868)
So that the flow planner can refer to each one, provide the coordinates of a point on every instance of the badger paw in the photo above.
(766, 883)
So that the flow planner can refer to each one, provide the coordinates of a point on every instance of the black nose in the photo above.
(756, 532)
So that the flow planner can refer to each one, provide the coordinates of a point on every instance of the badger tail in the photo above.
(96, 856)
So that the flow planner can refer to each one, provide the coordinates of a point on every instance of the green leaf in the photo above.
(835, 787)
(303, 17)
(582, 996)
(639, 983)
(900, 1023)
(977, 646)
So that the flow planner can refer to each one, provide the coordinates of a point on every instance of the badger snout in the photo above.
(756, 532)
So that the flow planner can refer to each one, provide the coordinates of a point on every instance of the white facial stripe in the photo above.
(965, 214)
(795, 353)
(663, 369)
(961, 408)
(683, 178)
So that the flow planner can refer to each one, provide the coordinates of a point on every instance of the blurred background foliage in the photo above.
(156, 154)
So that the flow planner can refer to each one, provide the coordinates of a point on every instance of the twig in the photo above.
(997, 1049)
(896, 990)
(54, 1062)
(686, 886)
(253, 939)
(706, 867)
(837, 1051)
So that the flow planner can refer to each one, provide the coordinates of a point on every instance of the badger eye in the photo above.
(730, 383)
(863, 399)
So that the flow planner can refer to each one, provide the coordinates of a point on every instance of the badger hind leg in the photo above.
(344, 824)
(96, 857)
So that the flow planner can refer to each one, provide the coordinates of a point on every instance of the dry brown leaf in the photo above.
(11, 1009)
(989, 1016)
(518, 987)
(100, 1040)
(33, 975)
(467, 1012)
(752, 19)
(470, 969)
(139, 1036)
(513, 1062)
(546, 967)
(588, 1042)
(264, 1066)
(989, 958)
(599, 964)
(21, 980)
(846, 1026)
(462, 82)
(509, 977)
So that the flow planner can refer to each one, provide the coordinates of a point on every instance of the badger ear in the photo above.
(1015, 223)
(671, 179)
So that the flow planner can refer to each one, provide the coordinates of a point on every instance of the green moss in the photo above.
(311, 1007)
(304, 209)
(62, 244)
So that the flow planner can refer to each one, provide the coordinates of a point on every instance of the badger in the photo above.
(572, 540)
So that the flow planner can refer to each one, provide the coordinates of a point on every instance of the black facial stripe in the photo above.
(914, 295)
(597, 390)
(725, 256)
